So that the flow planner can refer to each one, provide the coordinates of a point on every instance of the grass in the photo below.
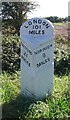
(17, 106)
(56, 106)
(60, 24)
(67, 24)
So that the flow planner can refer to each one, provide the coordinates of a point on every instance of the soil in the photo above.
(62, 31)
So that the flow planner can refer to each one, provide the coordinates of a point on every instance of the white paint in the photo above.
(37, 67)
(39, 26)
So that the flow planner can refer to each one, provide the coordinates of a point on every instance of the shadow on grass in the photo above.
(62, 66)
(16, 109)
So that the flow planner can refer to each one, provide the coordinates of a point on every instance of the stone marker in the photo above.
(37, 64)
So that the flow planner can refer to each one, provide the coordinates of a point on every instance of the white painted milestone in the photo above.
(37, 64)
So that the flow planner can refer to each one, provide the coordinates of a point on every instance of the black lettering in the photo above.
(39, 51)
(51, 45)
(33, 26)
(39, 64)
(26, 48)
(30, 23)
(47, 47)
(43, 49)
(39, 26)
(36, 26)
(47, 26)
(26, 61)
(44, 23)
(31, 32)
(38, 32)
(26, 26)
(35, 52)
(25, 54)
(30, 52)
(34, 21)
(48, 59)
(44, 55)
(43, 32)
(39, 21)
(29, 64)
(43, 62)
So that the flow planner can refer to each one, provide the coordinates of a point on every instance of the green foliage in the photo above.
(59, 108)
(60, 24)
(9, 87)
(15, 106)
(56, 19)
(15, 13)
(53, 18)
(11, 53)
(38, 110)
(61, 56)
(69, 18)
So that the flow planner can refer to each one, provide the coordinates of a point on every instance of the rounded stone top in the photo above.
(37, 30)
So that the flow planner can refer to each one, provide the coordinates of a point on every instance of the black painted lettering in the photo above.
(29, 64)
(26, 61)
(31, 32)
(25, 54)
(51, 45)
(26, 48)
(44, 55)
(39, 26)
(36, 26)
(35, 21)
(38, 32)
(30, 52)
(43, 62)
(39, 21)
(47, 26)
(39, 64)
(44, 23)
(26, 26)
(43, 32)
(35, 52)
(43, 49)
(48, 59)
(30, 23)
(39, 51)
(33, 27)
